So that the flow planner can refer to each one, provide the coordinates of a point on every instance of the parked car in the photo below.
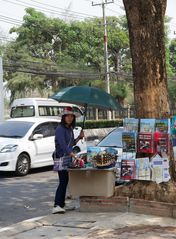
(113, 139)
(27, 143)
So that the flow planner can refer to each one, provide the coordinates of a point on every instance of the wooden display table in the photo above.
(92, 182)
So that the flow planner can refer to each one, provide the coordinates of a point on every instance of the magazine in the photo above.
(129, 141)
(166, 175)
(162, 125)
(128, 169)
(173, 130)
(102, 156)
(130, 125)
(161, 143)
(143, 169)
(145, 143)
(147, 125)
(157, 171)
(91, 152)
(160, 169)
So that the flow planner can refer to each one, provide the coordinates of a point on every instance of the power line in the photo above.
(44, 9)
(30, 67)
(114, 11)
(118, 5)
(48, 5)
(11, 66)
(9, 19)
(12, 19)
(9, 22)
(30, 64)
(73, 75)
(4, 38)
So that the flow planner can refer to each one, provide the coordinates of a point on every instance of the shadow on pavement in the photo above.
(32, 171)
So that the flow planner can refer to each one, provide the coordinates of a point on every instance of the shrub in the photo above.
(93, 124)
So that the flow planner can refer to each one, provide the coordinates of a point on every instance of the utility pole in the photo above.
(103, 4)
(1, 92)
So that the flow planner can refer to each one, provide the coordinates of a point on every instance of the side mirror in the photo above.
(96, 141)
(37, 136)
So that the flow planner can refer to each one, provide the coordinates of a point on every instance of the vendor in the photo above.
(64, 142)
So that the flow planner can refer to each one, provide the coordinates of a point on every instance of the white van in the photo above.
(40, 107)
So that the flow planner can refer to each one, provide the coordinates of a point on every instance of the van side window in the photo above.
(42, 111)
(48, 110)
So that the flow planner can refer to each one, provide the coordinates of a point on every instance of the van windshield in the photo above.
(22, 111)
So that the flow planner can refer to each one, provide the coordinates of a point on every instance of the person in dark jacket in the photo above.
(64, 142)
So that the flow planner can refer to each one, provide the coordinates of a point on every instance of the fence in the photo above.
(126, 112)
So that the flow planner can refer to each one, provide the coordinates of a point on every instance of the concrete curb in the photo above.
(21, 227)
(125, 204)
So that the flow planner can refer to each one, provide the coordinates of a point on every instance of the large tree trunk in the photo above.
(146, 30)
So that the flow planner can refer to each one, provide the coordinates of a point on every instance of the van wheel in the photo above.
(23, 165)
(76, 150)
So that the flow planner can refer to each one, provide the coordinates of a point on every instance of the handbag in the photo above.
(62, 163)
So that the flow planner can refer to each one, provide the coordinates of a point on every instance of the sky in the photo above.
(12, 11)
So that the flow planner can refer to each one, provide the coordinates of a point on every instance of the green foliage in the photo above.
(40, 34)
(172, 55)
(172, 91)
(47, 44)
(93, 124)
(64, 46)
(119, 90)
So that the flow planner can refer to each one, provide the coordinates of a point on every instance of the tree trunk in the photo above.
(146, 32)
(146, 29)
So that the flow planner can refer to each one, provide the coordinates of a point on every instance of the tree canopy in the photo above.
(49, 53)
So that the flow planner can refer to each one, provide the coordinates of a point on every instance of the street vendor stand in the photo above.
(89, 181)
(92, 182)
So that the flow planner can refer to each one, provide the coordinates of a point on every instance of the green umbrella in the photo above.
(87, 96)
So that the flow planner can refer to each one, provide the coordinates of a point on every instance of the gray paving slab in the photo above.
(79, 225)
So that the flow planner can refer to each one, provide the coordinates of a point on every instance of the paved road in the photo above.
(26, 197)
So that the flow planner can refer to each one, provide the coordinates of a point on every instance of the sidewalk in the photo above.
(79, 225)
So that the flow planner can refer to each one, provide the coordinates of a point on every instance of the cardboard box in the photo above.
(92, 182)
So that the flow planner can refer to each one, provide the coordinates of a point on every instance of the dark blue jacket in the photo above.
(64, 141)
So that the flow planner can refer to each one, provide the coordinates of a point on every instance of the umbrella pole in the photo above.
(85, 114)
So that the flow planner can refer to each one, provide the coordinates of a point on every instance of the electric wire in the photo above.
(10, 20)
(48, 5)
(20, 67)
(47, 10)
